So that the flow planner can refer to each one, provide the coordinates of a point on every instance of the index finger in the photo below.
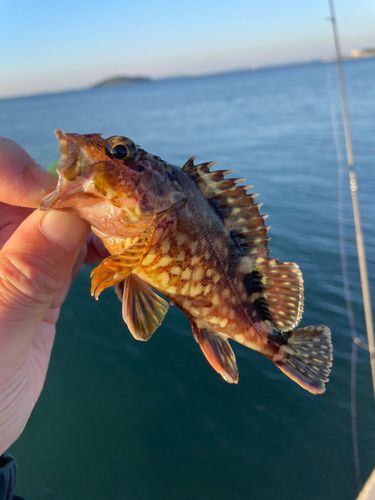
(22, 181)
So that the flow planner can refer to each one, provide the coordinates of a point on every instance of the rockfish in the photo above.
(198, 238)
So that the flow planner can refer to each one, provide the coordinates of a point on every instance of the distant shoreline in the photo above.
(123, 81)
(119, 81)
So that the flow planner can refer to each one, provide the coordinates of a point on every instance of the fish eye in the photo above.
(121, 148)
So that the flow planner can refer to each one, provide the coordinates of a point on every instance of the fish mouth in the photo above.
(65, 195)
(72, 185)
(69, 164)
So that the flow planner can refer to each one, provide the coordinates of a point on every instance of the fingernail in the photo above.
(64, 229)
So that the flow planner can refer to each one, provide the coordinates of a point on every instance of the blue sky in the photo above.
(51, 45)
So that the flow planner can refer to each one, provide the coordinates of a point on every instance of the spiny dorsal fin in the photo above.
(237, 208)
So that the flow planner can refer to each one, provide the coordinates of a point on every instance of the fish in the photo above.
(194, 237)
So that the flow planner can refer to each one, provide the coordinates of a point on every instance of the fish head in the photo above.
(112, 172)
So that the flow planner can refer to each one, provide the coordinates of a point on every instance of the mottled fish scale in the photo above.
(198, 276)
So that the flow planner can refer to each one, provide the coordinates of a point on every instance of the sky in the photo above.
(49, 45)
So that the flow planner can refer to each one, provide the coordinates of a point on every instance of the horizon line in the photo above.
(187, 75)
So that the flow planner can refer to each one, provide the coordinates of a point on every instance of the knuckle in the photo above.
(26, 279)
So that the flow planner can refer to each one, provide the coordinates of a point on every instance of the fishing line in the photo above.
(347, 294)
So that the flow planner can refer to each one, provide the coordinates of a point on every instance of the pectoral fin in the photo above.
(218, 353)
(116, 268)
(143, 310)
(102, 278)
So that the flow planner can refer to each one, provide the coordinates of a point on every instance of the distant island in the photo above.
(118, 81)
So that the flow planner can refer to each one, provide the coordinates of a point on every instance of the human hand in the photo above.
(39, 254)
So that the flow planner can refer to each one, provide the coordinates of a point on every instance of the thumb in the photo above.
(22, 182)
(36, 267)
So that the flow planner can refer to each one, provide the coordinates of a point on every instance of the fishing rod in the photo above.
(354, 197)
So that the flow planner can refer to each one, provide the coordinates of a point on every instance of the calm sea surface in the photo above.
(128, 420)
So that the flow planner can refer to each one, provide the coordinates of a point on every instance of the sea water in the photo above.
(130, 420)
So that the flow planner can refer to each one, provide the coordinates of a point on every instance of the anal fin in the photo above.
(143, 309)
(218, 353)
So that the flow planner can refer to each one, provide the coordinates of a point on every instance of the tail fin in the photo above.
(307, 357)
